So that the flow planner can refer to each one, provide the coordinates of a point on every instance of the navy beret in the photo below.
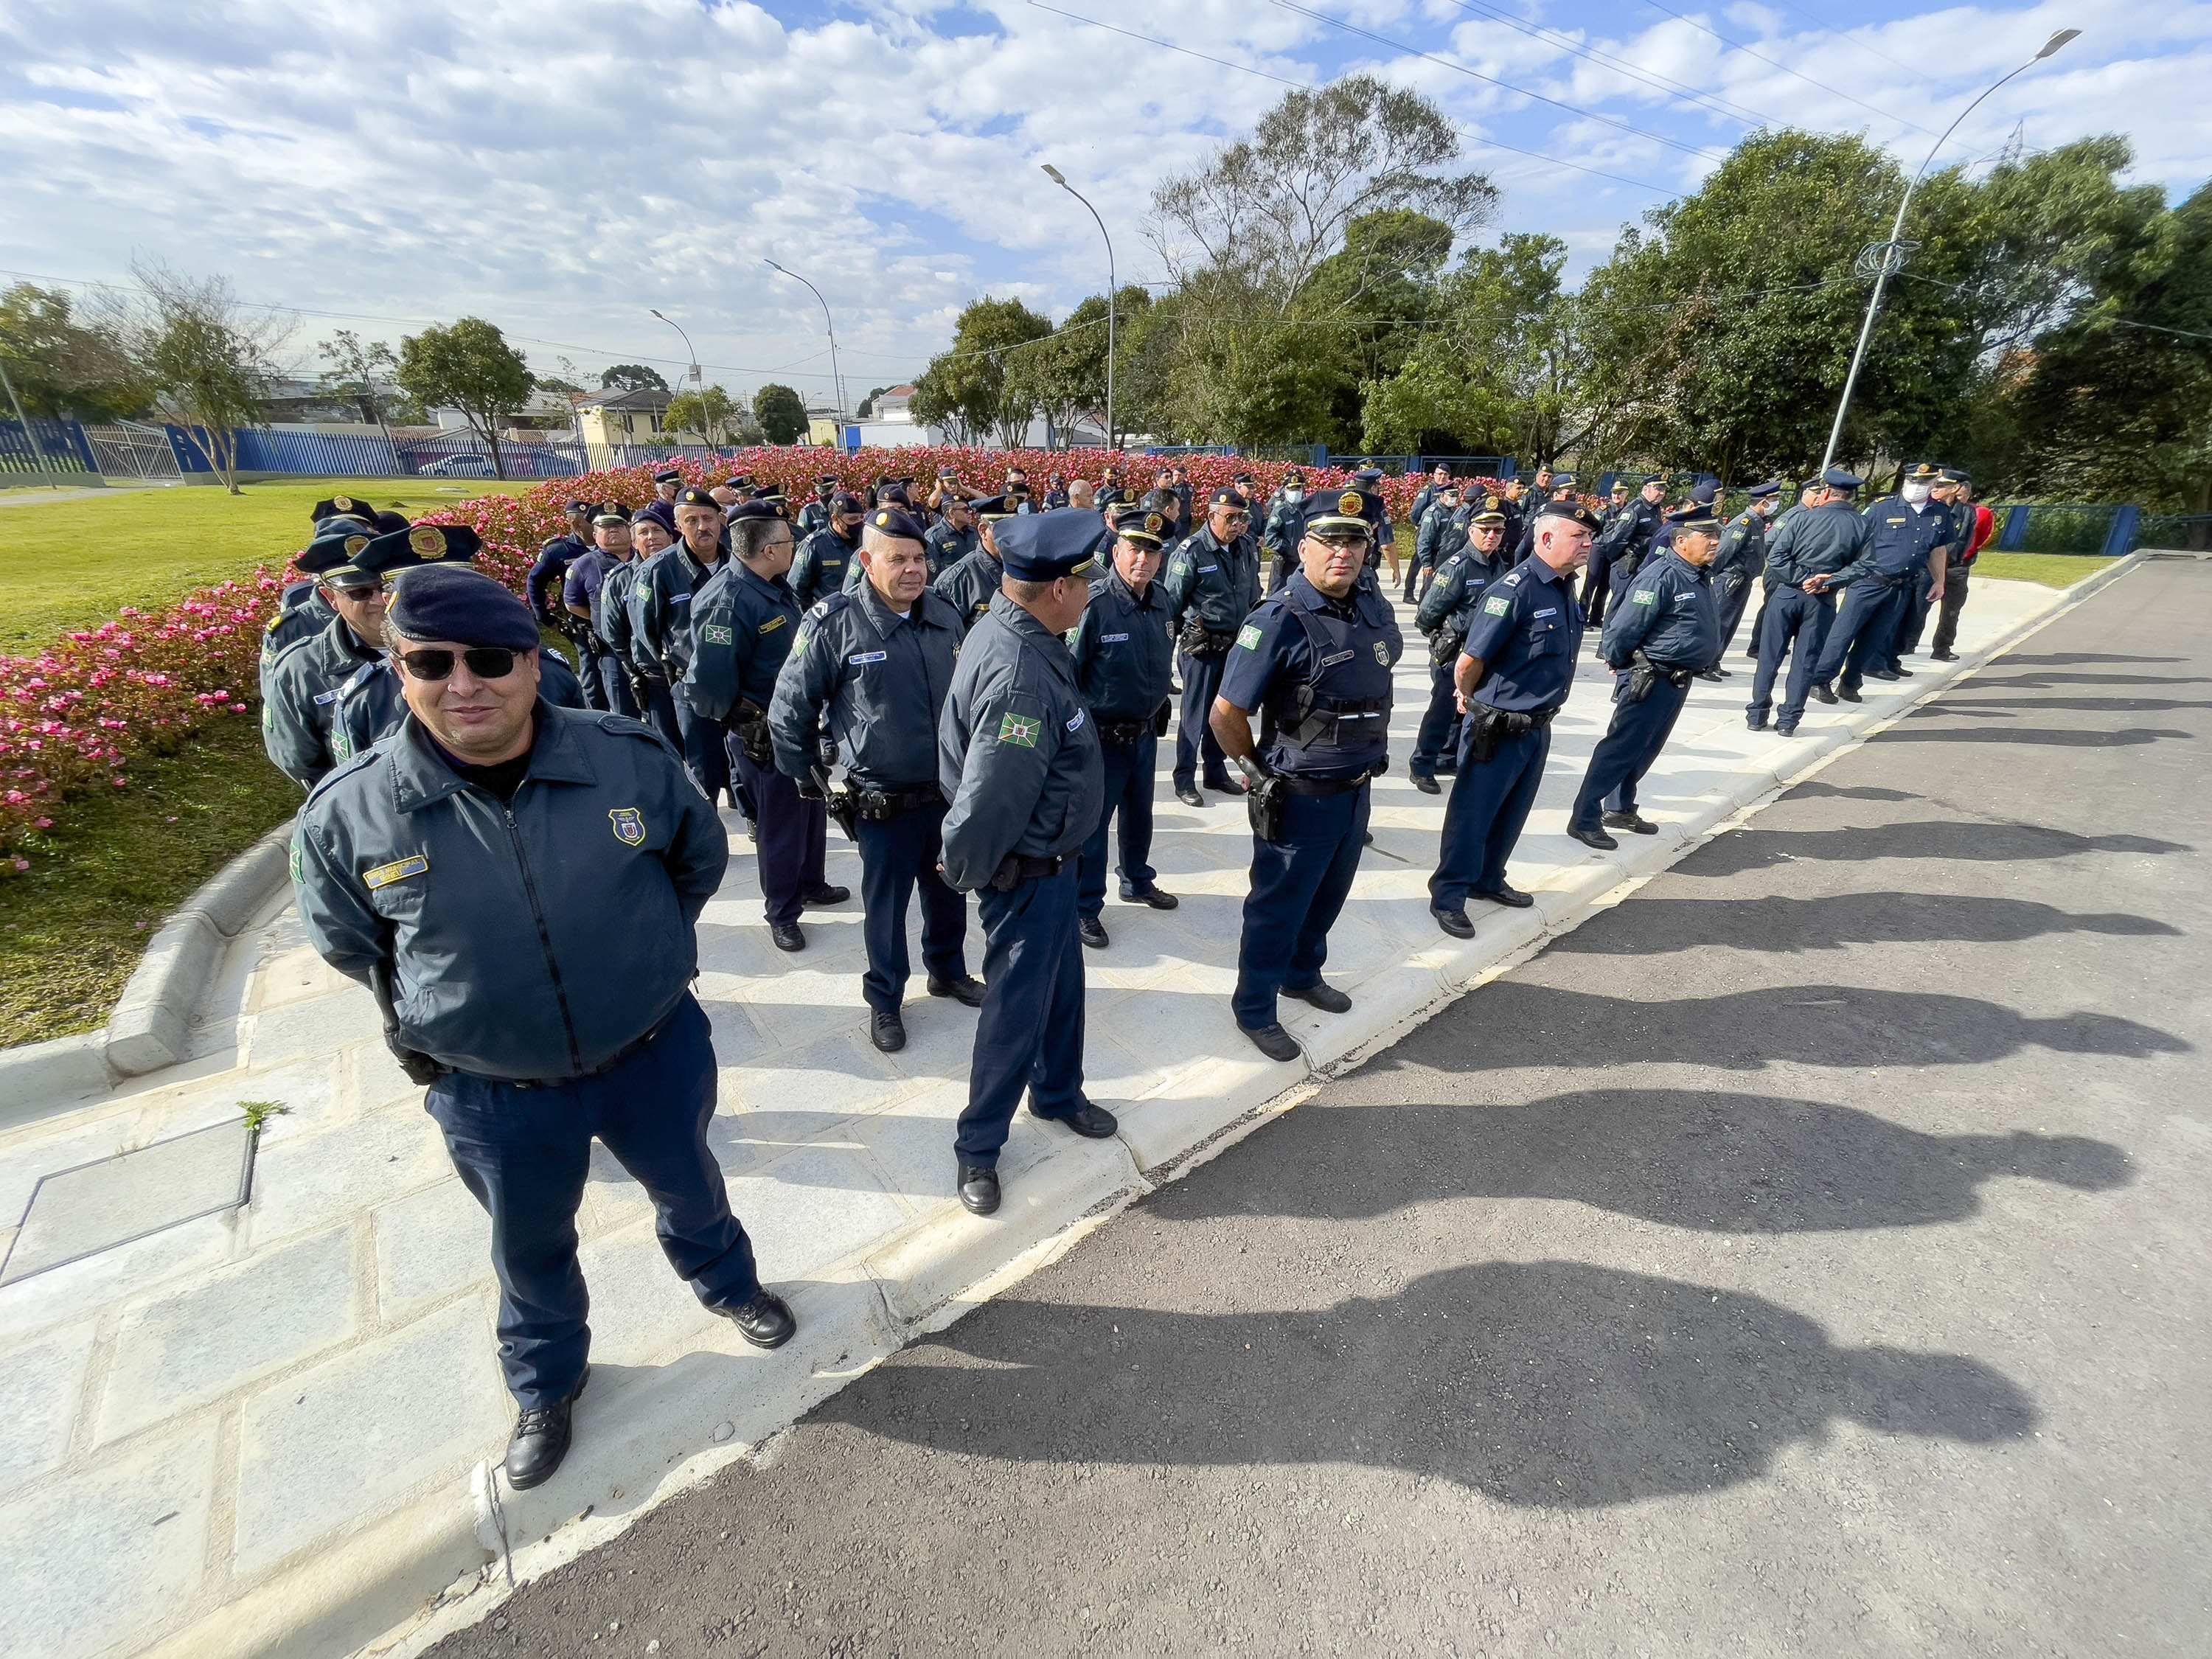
(389, 521)
(1041, 547)
(896, 523)
(460, 603)
(755, 509)
(845, 502)
(1699, 515)
(1705, 493)
(1229, 497)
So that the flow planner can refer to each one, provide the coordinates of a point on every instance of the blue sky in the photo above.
(562, 165)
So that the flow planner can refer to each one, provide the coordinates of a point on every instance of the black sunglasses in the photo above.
(357, 591)
(486, 662)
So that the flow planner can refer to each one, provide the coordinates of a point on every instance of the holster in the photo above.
(1199, 641)
(419, 1067)
(1264, 803)
(750, 726)
(1160, 717)
(1444, 644)
(1642, 676)
(838, 801)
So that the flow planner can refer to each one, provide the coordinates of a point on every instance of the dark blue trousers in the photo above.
(706, 745)
(1913, 619)
(588, 677)
(1030, 1034)
(1794, 624)
(1484, 815)
(1597, 582)
(524, 1153)
(1732, 606)
(659, 712)
(1202, 683)
(1632, 742)
(1859, 637)
(897, 855)
(1130, 771)
(793, 833)
(1299, 883)
(605, 685)
(1436, 746)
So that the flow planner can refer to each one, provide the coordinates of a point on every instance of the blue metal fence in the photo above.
(47, 447)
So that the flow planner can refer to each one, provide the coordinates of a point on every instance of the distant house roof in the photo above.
(649, 399)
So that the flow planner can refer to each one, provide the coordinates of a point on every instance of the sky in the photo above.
(564, 167)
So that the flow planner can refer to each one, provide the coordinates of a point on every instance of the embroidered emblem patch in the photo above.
(859, 658)
(1496, 605)
(714, 634)
(428, 541)
(1331, 661)
(1382, 653)
(1012, 728)
(771, 626)
(1644, 596)
(1248, 636)
(398, 870)
(629, 825)
(1350, 502)
(1076, 724)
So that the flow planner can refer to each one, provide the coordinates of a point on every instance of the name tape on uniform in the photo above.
(398, 870)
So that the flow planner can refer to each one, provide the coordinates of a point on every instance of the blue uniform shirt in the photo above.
(743, 624)
(661, 608)
(1017, 750)
(882, 678)
(1669, 613)
(1903, 534)
(1454, 597)
(1829, 540)
(548, 571)
(1299, 641)
(1218, 585)
(1527, 632)
(530, 939)
(1122, 649)
(823, 565)
(970, 586)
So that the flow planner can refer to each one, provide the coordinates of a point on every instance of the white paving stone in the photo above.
(429, 1245)
(40, 1387)
(320, 1179)
(273, 1309)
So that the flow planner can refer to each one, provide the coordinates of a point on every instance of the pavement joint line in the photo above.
(855, 1318)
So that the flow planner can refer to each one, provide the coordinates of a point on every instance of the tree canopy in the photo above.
(469, 367)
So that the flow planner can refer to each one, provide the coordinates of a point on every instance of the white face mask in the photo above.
(1916, 493)
(1294, 495)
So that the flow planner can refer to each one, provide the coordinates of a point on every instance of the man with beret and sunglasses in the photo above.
(519, 884)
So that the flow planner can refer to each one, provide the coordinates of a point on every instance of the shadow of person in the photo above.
(1785, 927)
(1712, 1163)
(1985, 710)
(1919, 838)
(1847, 792)
(1551, 1384)
(2048, 737)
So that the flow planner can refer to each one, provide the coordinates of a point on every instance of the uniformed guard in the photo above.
(1663, 634)
(617, 613)
(1110, 488)
(519, 884)
(1809, 495)
(878, 663)
(1284, 524)
(1515, 670)
(1552, 487)
(1017, 754)
(954, 535)
(1811, 548)
(1317, 659)
(300, 609)
(1622, 540)
(667, 485)
(308, 679)
(660, 614)
(968, 585)
(1436, 539)
(1978, 523)
(829, 559)
(606, 680)
(1447, 612)
(550, 568)
(373, 701)
(1742, 557)
(1438, 481)
(1055, 491)
(1932, 583)
(1124, 655)
(1212, 582)
(816, 514)
(1905, 529)
(1383, 537)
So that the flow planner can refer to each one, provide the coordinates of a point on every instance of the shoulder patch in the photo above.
(1496, 606)
(1248, 637)
(716, 634)
(1018, 729)
(1644, 596)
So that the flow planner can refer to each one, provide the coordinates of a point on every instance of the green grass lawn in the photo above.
(74, 563)
(105, 877)
(2051, 569)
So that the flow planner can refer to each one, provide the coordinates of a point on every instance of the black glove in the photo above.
(825, 750)
(809, 790)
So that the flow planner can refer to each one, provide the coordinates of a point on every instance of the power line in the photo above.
(1491, 80)
(1848, 39)
(1739, 47)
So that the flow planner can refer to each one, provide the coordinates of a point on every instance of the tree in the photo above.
(209, 361)
(632, 377)
(710, 411)
(353, 373)
(969, 389)
(781, 413)
(868, 403)
(1063, 375)
(469, 367)
(61, 365)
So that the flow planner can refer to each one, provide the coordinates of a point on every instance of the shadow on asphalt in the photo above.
(1549, 1384)
(2126, 738)
(1714, 1163)
(1781, 925)
(1981, 843)
(1991, 711)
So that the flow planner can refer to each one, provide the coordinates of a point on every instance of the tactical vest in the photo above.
(1338, 718)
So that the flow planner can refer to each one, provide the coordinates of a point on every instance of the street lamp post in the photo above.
(698, 380)
(1053, 173)
(1889, 255)
(837, 378)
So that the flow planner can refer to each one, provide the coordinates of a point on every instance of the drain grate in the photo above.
(78, 1213)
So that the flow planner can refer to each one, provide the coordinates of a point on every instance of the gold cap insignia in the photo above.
(1350, 502)
(344, 503)
(1154, 524)
(354, 544)
(428, 541)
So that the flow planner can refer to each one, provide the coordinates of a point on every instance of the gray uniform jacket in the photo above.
(535, 939)
(948, 546)
(370, 707)
(300, 612)
(302, 706)
(1218, 585)
(1669, 613)
(1451, 602)
(1830, 540)
(824, 564)
(1743, 550)
(1017, 751)
(1122, 650)
(970, 586)
(881, 677)
(661, 610)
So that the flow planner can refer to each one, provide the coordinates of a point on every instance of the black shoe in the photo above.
(752, 832)
(540, 1441)
(785, 936)
(1786, 729)
(967, 991)
(826, 894)
(1596, 838)
(1225, 786)
(1756, 722)
(765, 1322)
(1850, 695)
(1882, 674)
(1321, 994)
(1511, 897)
(1634, 822)
(1154, 896)
(979, 1190)
(1714, 674)
(1188, 795)
(1943, 656)
(887, 1031)
(1427, 785)
(1273, 1041)
(1454, 922)
(1824, 692)
(1091, 932)
(1091, 1122)
(1900, 672)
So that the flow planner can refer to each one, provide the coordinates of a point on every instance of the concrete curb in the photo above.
(151, 1026)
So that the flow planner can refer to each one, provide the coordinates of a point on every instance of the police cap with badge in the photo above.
(1145, 525)
(418, 544)
(343, 506)
(1230, 497)
(896, 523)
(1043, 547)
(1492, 516)
(668, 475)
(1334, 515)
(992, 508)
(696, 497)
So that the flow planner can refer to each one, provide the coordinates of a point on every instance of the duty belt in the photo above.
(627, 1051)
(1298, 786)
(877, 805)
(1122, 734)
(1014, 869)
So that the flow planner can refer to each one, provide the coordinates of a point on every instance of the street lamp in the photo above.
(698, 381)
(836, 379)
(1889, 255)
(1053, 173)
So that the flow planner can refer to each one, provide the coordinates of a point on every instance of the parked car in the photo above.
(460, 466)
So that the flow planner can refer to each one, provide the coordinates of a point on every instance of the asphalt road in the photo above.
(1807, 1256)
